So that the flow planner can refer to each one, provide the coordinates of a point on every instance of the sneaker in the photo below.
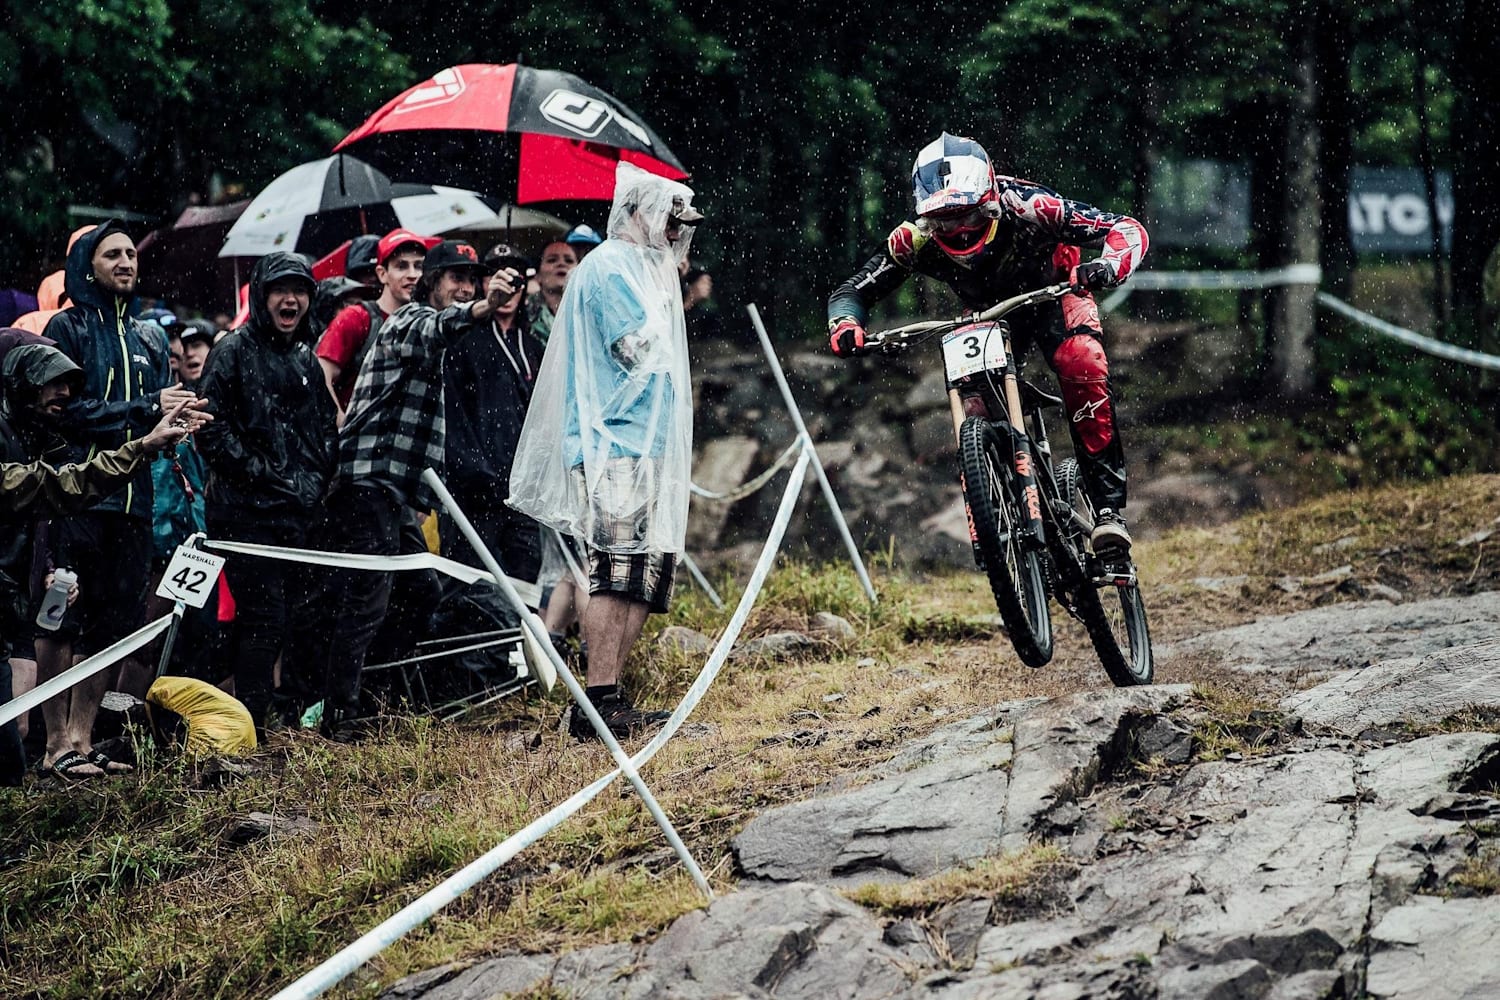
(623, 719)
(1110, 537)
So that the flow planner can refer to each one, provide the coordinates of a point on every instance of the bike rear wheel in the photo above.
(1113, 614)
(1013, 566)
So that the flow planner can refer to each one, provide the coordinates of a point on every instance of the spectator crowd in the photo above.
(550, 394)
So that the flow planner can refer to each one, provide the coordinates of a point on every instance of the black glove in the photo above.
(1091, 277)
(846, 337)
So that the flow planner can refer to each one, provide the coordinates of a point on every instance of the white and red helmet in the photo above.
(957, 201)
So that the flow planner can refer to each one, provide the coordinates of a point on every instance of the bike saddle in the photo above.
(1031, 396)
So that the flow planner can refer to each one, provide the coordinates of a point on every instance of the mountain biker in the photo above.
(991, 237)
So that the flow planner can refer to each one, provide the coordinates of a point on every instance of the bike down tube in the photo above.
(533, 624)
(817, 464)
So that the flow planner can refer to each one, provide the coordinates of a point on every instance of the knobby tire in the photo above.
(1123, 642)
(1014, 567)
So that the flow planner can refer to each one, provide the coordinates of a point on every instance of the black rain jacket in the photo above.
(24, 440)
(270, 448)
(486, 396)
(124, 370)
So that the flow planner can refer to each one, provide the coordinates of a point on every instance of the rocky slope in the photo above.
(1342, 845)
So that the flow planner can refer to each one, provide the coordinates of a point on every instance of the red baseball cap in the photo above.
(398, 238)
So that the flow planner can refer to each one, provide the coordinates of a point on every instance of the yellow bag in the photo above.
(216, 722)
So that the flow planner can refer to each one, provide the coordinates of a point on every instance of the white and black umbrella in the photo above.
(314, 207)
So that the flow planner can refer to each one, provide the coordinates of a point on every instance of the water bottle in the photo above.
(55, 604)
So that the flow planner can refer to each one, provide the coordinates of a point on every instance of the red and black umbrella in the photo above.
(521, 134)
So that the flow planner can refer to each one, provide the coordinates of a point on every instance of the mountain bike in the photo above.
(1029, 521)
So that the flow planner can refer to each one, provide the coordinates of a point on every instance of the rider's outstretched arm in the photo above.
(882, 274)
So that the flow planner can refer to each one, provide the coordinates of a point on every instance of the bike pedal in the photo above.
(1115, 576)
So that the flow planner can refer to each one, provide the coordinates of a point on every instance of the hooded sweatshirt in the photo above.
(270, 448)
(24, 439)
(124, 371)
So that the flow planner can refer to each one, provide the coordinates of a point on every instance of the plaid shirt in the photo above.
(394, 427)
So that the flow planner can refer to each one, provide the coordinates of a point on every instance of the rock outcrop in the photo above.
(1342, 858)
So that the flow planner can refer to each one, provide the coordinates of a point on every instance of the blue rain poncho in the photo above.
(605, 454)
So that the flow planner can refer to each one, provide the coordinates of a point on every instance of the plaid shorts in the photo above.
(641, 576)
(620, 521)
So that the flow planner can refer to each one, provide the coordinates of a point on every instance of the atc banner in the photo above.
(1206, 203)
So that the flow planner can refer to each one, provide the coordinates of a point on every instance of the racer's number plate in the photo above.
(972, 349)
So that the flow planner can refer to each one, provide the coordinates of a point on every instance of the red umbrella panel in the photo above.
(512, 131)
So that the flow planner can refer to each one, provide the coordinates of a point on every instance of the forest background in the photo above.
(799, 122)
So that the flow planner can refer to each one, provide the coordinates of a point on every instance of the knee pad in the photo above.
(1083, 371)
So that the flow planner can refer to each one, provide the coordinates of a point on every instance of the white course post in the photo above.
(538, 631)
(807, 442)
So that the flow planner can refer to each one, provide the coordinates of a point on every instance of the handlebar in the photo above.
(901, 337)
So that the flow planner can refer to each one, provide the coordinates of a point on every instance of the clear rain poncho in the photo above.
(606, 452)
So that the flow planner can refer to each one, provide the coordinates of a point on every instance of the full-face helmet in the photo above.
(957, 201)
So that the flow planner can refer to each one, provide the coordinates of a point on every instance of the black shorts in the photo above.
(641, 576)
(112, 555)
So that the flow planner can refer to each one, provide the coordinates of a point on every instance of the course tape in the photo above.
(1296, 274)
(1160, 281)
(529, 592)
(750, 486)
(1410, 337)
(20, 706)
(388, 932)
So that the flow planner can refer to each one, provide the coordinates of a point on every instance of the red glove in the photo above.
(1091, 277)
(846, 337)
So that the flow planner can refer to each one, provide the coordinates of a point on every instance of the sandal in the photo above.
(70, 762)
(106, 763)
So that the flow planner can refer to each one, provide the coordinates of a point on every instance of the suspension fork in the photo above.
(1022, 454)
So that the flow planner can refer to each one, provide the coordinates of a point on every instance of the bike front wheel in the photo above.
(1014, 566)
(1113, 613)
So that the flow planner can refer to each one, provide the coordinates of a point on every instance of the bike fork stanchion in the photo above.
(702, 582)
(538, 631)
(817, 464)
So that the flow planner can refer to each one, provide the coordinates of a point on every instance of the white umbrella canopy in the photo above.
(314, 207)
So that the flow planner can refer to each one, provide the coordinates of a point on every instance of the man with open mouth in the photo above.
(270, 456)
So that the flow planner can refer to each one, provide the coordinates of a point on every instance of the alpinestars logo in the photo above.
(586, 115)
(442, 88)
(1089, 410)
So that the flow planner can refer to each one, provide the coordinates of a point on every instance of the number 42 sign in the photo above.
(190, 576)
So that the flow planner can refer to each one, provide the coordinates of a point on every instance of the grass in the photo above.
(129, 888)
(1007, 879)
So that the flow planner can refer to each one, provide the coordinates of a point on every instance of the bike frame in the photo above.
(976, 396)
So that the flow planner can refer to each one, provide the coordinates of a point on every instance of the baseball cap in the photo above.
(198, 329)
(583, 234)
(398, 238)
(338, 287)
(504, 255)
(684, 213)
(363, 253)
(450, 254)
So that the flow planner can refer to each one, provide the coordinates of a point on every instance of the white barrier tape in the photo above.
(20, 706)
(529, 592)
(581, 702)
(720, 654)
(1161, 281)
(750, 486)
(1411, 338)
(319, 980)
